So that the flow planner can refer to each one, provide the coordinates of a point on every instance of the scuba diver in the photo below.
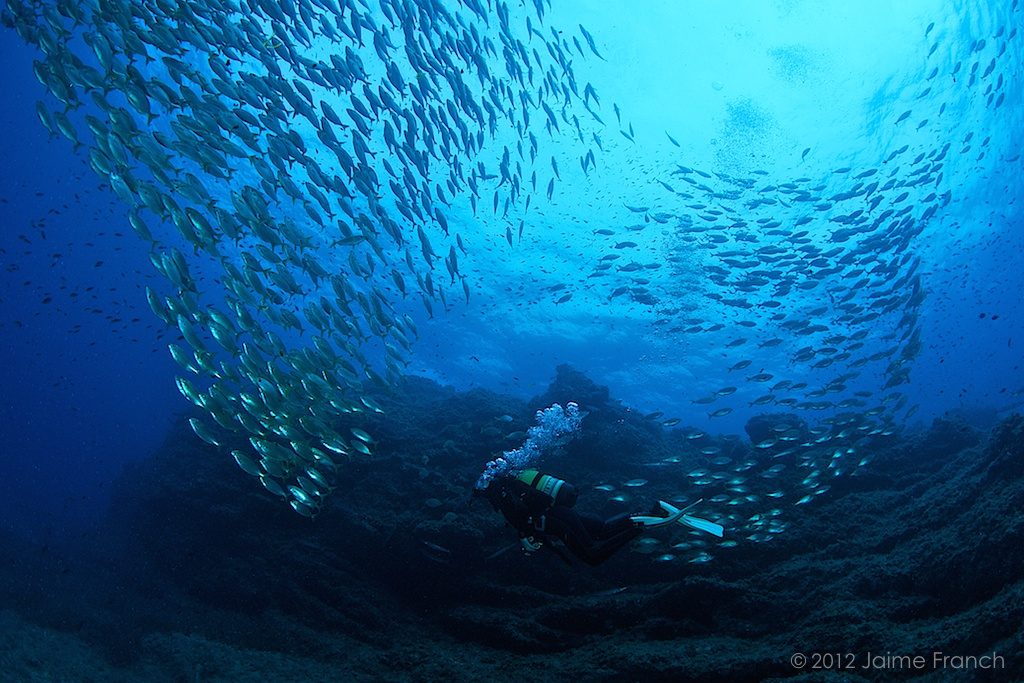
(540, 507)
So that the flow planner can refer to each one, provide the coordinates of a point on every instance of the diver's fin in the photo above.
(703, 525)
(691, 521)
(674, 516)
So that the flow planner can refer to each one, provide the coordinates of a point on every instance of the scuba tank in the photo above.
(546, 491)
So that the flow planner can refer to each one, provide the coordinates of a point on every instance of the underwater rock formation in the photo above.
(910, 555)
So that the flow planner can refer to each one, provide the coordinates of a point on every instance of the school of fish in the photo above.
(294, 163)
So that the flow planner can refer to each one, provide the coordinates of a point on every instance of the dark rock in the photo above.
(572, 385)
(949, 435)
(1006, 448)
(921, 550)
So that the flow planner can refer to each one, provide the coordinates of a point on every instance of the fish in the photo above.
(202, 431)
(590, 42)
(361, 435)
(246, 463)
(436, 551)
(315, 223)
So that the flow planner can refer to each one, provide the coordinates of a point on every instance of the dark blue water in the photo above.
(88, 385)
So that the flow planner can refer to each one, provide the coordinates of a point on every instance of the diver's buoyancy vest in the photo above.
(548, 490)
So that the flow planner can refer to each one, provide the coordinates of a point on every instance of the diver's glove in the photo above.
(530, 544)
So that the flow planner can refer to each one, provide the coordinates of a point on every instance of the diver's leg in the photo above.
(602, 551)
(612, 526)
(571, 528)
(593, 525)
(568, 526)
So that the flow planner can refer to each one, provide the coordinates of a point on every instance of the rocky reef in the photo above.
(199, 574)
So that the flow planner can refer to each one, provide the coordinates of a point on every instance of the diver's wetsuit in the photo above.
(533, 514)
(591, 539)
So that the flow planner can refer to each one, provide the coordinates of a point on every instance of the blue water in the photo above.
(82, 395)
(88, 385)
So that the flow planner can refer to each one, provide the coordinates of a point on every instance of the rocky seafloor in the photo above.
(198, 574)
